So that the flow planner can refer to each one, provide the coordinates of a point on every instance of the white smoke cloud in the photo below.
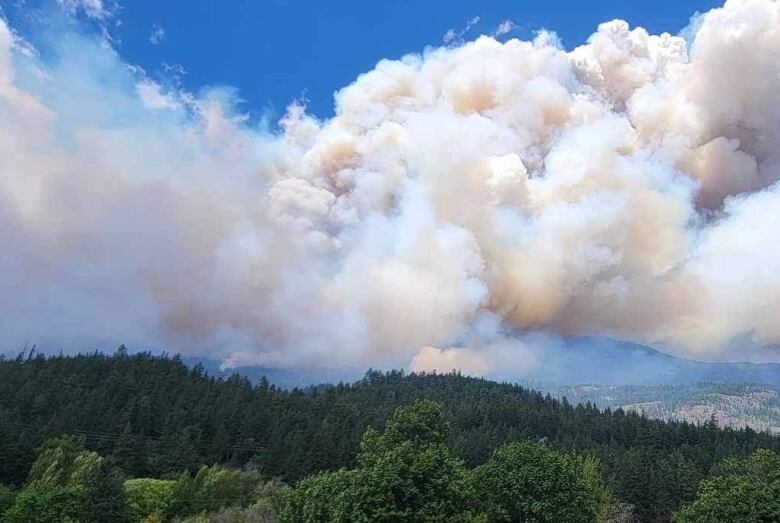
(626, 188)
(487, 350)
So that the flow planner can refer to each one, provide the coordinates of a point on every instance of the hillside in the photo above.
(615, 374)
(155, 416)
(604, 361)
(569, 361)
(730, 405)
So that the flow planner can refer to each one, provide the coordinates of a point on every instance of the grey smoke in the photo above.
(627, 188)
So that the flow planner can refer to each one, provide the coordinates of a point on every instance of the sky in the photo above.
(425, 186)
(277, 51)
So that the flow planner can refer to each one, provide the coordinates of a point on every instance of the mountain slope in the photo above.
(574, 361)
(610, 362)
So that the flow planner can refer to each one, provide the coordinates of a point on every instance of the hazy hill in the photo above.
(610, 373)
(575, 361)
(610, 362)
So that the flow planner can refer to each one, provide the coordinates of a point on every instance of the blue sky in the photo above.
(274, 51)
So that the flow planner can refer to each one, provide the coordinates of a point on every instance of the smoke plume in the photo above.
(626, 188)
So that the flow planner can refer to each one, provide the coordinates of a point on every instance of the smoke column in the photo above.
(626, 188)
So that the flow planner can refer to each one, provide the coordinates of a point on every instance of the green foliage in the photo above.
(210, 489)
(257, 513)
(531, 482)
(327, 496)
(106, 496)
(7, 498)
(147, 496)
(67, 481)
(157, 418)
(620, 512)
(741, 491)
(422, 423)
(601, 497)
(63, 461)
(263, 510)
(406, 473)
(213, 488)
(48, 504)
(16, 452)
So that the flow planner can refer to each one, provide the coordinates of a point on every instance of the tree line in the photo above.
(153, 417)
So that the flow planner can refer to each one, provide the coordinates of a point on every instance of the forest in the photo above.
(137, 437)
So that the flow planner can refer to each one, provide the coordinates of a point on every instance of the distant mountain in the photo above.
(610, 362)
(574, 361)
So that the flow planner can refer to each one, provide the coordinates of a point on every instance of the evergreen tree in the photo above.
(106, 496)
(7, 498)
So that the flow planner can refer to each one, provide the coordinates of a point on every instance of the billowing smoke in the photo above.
(627, 188)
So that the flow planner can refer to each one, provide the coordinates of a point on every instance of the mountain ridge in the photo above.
(572, 361)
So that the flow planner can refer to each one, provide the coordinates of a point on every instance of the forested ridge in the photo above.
(155, 417)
